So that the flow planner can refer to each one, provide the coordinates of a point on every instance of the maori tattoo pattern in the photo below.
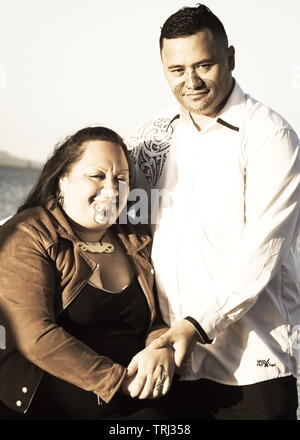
(150, 147)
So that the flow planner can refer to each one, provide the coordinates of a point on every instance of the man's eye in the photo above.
(203, 66)
(177, 71)
(122, 179)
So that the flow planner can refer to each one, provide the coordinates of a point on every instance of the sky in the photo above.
(68, 64)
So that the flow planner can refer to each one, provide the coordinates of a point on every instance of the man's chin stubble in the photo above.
(196, 109)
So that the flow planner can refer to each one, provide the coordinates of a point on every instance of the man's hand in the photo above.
(182, 336)
(150, 373)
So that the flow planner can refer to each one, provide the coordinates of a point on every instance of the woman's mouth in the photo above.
(105, 210)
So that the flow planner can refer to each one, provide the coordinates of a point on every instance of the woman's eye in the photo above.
(122, 179)
(97, 176)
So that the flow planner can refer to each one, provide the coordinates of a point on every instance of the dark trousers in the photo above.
(56, 399)
(203, 399)
(275, 399)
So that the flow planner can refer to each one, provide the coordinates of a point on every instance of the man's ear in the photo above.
(231, 58)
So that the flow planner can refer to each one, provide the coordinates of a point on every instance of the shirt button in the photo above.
(24, 390)
(18, 403)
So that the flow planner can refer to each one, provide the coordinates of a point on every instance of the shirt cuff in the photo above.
(204, 339)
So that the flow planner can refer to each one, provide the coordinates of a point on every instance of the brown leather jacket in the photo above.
(41, 272)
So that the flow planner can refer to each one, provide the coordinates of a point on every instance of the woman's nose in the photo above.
(109, 189)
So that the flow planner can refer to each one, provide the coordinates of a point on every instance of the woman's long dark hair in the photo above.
(64, 157)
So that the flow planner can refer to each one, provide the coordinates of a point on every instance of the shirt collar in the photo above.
(232, 111)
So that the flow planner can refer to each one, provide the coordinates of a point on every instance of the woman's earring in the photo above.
(60, 199)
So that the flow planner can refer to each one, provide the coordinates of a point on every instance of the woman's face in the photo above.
(96, 189)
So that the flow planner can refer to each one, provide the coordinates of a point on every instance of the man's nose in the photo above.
(193, 80)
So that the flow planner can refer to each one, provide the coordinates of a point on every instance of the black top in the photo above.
(112, 324)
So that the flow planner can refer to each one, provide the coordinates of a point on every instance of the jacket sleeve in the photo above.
(272, 195)
(28, 287)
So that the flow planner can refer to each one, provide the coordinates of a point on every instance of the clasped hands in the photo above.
(150, 372)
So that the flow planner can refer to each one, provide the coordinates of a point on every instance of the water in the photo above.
(15, 184)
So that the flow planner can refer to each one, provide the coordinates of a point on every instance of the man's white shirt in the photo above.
(224, 248)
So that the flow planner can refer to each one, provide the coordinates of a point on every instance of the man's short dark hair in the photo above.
(190, 20)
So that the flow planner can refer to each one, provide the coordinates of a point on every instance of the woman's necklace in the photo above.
(98, 247)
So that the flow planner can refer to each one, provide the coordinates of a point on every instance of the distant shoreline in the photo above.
(9, 160)
(21, 167)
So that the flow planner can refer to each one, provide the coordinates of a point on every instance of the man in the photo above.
(226, 169)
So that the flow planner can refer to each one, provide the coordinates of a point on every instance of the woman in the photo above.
(76, 293)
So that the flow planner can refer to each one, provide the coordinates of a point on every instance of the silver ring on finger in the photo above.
(159, 386)
(163, 374)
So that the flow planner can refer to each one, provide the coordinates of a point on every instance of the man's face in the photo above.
(198, 69)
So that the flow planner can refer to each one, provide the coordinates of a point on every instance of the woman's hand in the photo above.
(150, 373)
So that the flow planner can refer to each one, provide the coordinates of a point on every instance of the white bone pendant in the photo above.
(97, 248)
